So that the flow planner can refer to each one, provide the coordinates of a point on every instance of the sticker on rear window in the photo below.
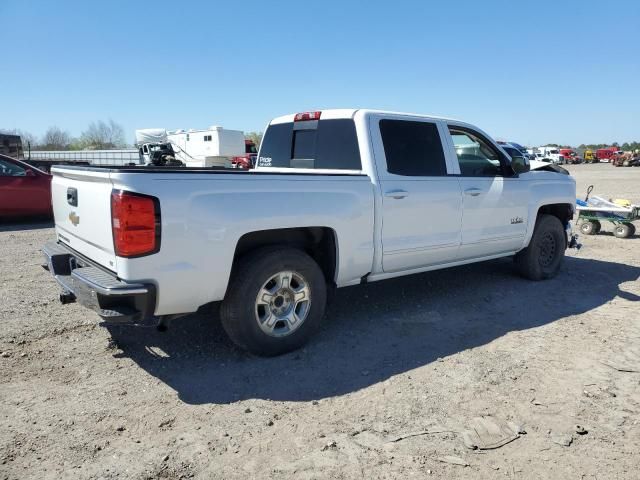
(264, 161)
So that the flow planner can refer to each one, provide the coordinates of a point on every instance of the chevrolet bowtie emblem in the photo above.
(75, 219)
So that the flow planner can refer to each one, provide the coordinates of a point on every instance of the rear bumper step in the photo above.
(116, 302)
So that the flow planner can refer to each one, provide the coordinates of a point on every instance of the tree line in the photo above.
(98, 135)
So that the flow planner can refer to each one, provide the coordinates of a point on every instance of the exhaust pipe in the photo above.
(67, 297)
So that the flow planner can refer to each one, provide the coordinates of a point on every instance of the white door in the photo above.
(494, 199)
(421, 205)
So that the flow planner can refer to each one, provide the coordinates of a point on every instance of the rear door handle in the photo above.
(397, 194)
(474, 192)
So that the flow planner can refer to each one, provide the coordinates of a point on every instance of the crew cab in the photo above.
(337, 198)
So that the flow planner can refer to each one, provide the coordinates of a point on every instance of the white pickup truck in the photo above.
(338, 198)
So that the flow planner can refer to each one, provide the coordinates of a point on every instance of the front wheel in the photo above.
(543, 257)
(275, 301)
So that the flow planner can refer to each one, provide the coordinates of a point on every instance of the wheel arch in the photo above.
(320, 243)
(562, 211)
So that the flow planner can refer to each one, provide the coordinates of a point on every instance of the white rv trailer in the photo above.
(212, 147)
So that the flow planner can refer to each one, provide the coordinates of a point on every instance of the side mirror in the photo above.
(520, 164)
(29, 173)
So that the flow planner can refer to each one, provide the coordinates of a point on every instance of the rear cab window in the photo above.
(330, 144)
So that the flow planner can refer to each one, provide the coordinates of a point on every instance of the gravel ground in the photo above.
(433, 354)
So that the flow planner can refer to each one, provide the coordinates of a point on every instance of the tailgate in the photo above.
(82, 211)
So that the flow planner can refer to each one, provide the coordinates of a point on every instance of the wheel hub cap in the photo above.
(282, 304)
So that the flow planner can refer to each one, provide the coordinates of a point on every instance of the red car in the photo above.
(24, 190)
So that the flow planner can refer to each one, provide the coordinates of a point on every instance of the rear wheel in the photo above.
(623, 230)
(543, 257)
(590, 227)
(275, 301)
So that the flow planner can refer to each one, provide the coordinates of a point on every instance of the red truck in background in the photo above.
(248, 160)
(607, 154)
(569, 155)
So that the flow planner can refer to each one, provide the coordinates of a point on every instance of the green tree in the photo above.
(255, 137)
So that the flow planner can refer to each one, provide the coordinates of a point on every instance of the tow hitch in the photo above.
(67, 297)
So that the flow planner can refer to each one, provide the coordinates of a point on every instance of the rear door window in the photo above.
(318, 144)
(412, 148)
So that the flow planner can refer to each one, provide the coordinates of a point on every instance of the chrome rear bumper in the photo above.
(114, 300)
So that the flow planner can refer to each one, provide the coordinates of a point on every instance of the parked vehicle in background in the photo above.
(248, 160)
(551, 154)
(626, 159)
(523, 150)
(590, 157)
(11, 146)
(514, 152)
(337, 198)
(212, 147)
(24, 190)
(606, 154)
(570, 156)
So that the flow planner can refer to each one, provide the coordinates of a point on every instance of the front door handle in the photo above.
(474, 192)
(397, 194)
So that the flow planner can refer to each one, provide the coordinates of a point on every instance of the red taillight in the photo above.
(135, 220)
(304, 116)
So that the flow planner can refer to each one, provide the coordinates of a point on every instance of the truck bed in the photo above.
(204, 215)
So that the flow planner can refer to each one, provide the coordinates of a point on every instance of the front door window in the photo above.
(477, 158)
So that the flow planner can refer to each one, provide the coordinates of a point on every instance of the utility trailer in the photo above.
(592, 211)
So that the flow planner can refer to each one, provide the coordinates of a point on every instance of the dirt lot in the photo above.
(424, 353)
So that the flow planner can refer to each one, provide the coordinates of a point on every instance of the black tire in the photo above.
(543, 257)
(622, 230)
(239, 311)
(590, 227)
(632, 229)
(597, 225)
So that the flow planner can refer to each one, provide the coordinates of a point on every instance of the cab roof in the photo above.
(335, 113)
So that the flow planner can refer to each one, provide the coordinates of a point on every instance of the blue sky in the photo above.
(533, 72)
